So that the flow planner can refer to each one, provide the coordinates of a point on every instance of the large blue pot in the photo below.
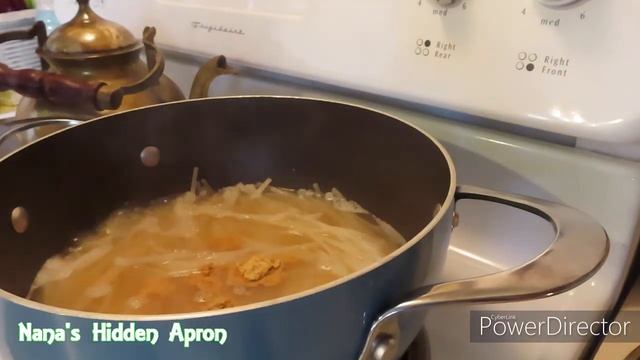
(69, 181)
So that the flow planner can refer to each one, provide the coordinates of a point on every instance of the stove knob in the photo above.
(445, 3)
(557, 2)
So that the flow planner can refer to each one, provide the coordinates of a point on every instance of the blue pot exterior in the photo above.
(330, 324)
(82, 174)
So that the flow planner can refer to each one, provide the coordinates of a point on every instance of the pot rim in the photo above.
(262, 304)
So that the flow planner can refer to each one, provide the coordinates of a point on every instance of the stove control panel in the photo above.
(564, 66)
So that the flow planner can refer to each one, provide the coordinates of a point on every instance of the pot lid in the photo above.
(89, 35)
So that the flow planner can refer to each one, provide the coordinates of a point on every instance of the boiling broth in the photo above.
(208, 249)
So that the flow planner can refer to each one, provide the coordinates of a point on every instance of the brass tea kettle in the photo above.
(94, 68)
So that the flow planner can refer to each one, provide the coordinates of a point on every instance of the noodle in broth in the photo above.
(209, 249)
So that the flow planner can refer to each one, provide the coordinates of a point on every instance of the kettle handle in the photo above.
(110, 96)
(55, 88)
(61, 90)
(38, 30)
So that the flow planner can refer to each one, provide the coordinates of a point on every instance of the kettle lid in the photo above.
(88, 35)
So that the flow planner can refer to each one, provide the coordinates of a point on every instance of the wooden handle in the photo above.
(55, 88)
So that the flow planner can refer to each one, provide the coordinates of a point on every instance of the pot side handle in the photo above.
(580, 247)
(24, 125)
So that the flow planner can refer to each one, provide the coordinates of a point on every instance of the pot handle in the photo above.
(580, 247)
(207, 73)
(25, 125)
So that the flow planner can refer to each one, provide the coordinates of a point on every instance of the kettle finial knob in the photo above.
(87, 35)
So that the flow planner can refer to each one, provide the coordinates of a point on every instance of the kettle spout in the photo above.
(207, 73)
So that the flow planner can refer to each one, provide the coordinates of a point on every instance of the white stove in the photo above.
(490, 237)
(554, 80)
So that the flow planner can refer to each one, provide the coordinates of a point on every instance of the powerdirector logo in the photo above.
(552, 326)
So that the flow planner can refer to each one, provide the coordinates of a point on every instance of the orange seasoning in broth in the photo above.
(207, 249)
